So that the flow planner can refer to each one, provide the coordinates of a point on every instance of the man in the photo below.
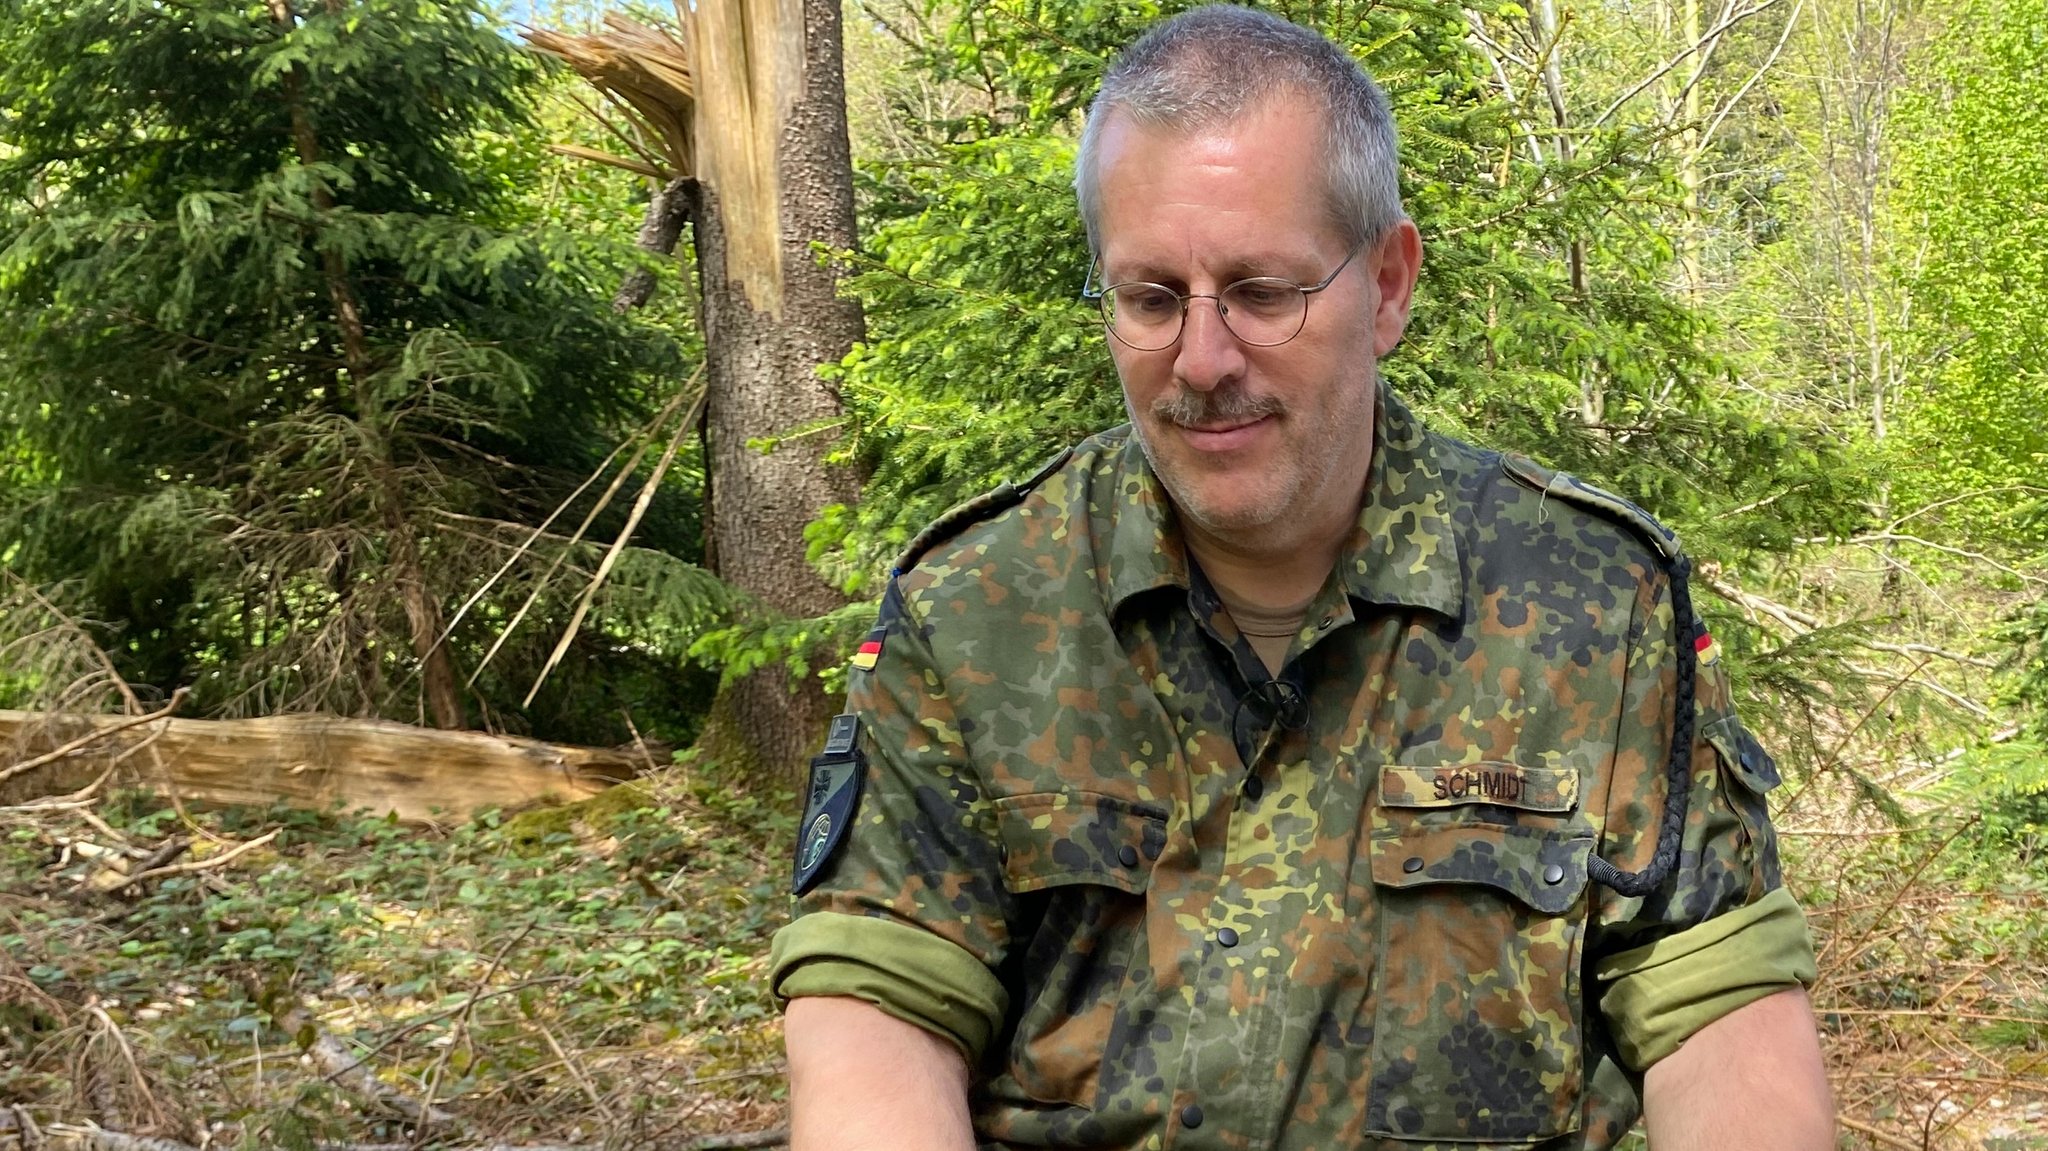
(1274, 772)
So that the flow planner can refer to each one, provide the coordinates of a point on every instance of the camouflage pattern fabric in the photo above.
(1366, 923)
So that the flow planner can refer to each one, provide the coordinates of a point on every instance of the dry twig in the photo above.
(332, 1056)
(208, 864)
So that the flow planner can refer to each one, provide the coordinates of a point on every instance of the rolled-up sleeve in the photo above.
(1659, 994)
(910, 913)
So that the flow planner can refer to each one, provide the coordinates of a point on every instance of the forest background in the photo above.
(353, 359)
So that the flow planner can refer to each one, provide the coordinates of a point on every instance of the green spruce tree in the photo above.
(287, 362)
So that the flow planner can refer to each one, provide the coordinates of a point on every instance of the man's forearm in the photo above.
(1752, 1080)
(863, 1080)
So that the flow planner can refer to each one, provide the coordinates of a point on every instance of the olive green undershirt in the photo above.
(1271, 631)
(1657, 996)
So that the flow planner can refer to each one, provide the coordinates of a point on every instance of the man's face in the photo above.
(1254, 444)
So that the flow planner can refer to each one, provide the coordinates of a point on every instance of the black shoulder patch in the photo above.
(990, 503)
(1607, 505)
(829, 802)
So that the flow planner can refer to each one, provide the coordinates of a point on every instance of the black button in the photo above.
(1191, 1116)
(1554, 873)
(1127, 855)
(1412, 865)
(1253, 789)
(1227, 937)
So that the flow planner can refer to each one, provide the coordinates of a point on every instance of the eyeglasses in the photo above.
(1262, 311)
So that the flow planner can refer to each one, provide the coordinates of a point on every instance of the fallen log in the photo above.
(307, 761)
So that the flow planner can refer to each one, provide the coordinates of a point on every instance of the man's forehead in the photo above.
(1245, 194)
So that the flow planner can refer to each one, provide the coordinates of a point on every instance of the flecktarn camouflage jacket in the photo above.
(1076, 837)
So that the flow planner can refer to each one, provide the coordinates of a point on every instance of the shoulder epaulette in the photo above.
(1607, 505)
(1004, 496)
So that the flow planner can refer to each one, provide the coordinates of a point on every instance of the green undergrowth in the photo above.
(590, 973)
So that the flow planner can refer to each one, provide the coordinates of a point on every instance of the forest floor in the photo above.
(591, 977)
(581, 977)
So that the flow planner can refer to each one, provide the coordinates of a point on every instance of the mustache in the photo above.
(1226, 405)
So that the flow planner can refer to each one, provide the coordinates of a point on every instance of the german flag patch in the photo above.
(1706, 649)
(870, 650)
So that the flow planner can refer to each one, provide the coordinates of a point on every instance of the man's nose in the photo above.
(1208, 354)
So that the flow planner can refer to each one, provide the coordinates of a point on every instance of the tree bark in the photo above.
(749, 111)
(763, 354)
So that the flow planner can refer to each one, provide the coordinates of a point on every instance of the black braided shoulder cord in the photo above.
(1678, 772)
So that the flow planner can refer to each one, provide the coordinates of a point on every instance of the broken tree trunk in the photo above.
(749, 108)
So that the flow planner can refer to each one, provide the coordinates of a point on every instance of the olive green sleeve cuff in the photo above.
(1659, 994)
(903, 969)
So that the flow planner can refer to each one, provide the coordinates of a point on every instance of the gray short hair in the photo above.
(1210, 65)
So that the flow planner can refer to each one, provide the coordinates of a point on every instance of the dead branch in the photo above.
(93, 1137)
(576, 1072)
(642, 439)
(1898, 894)
(92, 647)
(78, 800)
(662, 226)
(332, 1056)
(1974, 494)
(1801, 623)
(1872, 539)
(1962, 701)
(1707, 136)
(611, 556)
(165, 854)
(1706, 42)
(18, 1127)
(462, 1021)
(103, 1028)
(210, 863)
(774, 1137)
(72, 747)
(1874, 1133)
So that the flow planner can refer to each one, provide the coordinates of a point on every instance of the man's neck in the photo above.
(1271, 573)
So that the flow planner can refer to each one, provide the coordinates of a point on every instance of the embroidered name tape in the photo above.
(1506, 784)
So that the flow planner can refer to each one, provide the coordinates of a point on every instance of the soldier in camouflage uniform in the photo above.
(1275, 772)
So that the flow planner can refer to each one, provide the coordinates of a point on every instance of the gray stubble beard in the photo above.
(1232, 402)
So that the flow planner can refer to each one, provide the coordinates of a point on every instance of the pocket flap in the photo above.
(1507, 784)
(1543, 869)
(1054, 838)
(1743, 755)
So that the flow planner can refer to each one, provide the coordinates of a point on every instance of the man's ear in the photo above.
(1395, 264)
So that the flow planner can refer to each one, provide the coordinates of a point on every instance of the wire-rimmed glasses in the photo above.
(1261, 311)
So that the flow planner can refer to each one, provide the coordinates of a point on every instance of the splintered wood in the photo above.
(714, 104)
(308, 761)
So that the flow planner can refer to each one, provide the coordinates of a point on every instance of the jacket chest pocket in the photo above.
(1078, 865)
(1477, 1033)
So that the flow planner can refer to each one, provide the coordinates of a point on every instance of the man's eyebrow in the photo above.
(1287, 266)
